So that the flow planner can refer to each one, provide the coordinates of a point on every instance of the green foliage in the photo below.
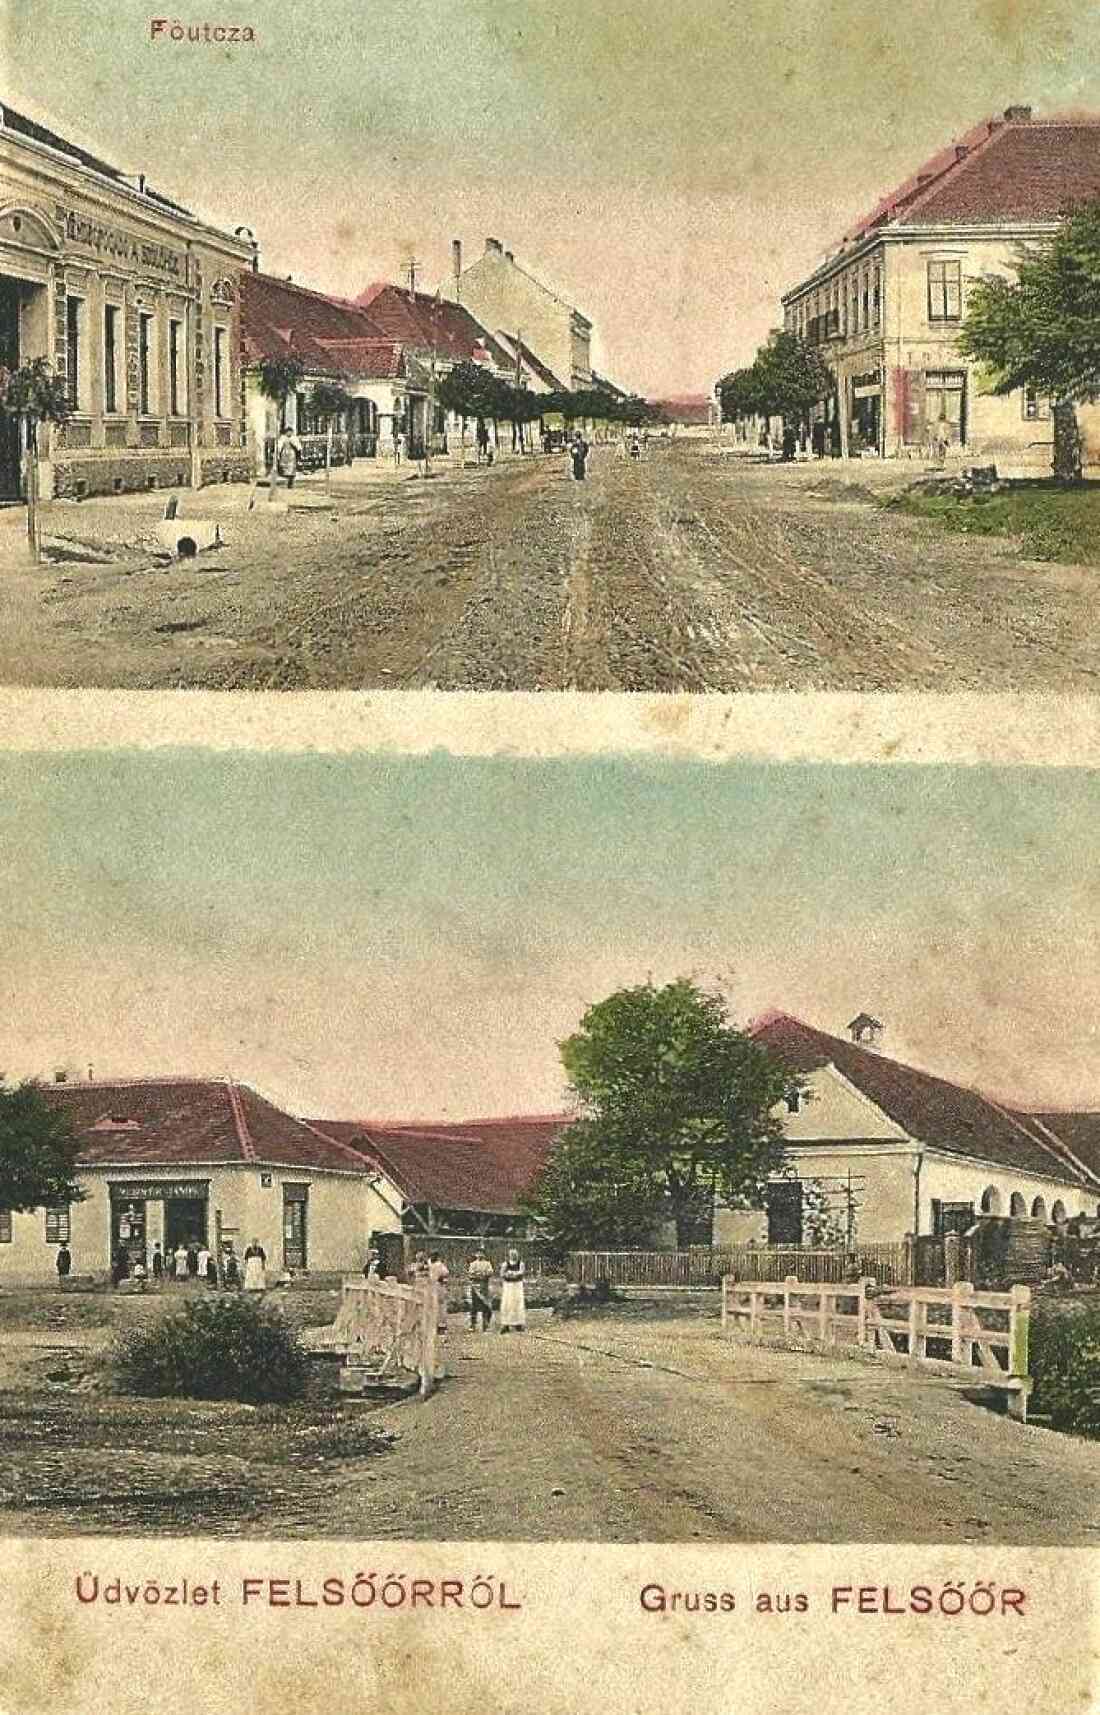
(38, 1151)
(1042, 329)
(1065, 1365)
(786, 378)
(328, 400)
(280, 377)
(823, 1225)
(589, 1199)
(34, 391)
(1052, 522)
(677, 1105)
(214, 1348)
(471, 392)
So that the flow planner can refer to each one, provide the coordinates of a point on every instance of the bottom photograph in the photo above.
(592, 1149)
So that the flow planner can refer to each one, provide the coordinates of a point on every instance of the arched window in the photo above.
(1017, 1204)
(1058, 1211)
(991, 1201)
(1039, 1210)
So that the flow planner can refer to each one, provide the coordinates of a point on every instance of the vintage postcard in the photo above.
(509, 1194)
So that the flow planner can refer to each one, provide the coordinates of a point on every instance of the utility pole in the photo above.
(519, 376)
(411, 268)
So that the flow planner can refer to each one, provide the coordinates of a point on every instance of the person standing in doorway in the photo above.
(202, 1264)
(63, 1262)
(288, 453)
(479, 1272)
(179, 1262)
(211, 1269)
(513, 1302)
(158, 1263)
(255, 1267)
(192, 1259)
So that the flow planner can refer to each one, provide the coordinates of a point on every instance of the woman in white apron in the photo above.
(513, 1305)
(255, 1267)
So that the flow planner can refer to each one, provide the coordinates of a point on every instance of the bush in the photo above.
(222, 1348)
(1065, 1365)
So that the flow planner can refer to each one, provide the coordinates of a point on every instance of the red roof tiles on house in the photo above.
(426, 323)
(929, 1109)
(279, 319)
(482, 1165)
(175, 1122)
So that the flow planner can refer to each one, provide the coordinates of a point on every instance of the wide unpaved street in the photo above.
(616, 1429)
(688, 571)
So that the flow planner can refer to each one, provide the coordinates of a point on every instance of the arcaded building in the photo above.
(136, 303)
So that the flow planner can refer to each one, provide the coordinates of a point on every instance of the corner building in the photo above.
(136, 303)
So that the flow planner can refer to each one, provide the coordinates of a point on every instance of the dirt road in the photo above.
(599, 1429)
(687, 571)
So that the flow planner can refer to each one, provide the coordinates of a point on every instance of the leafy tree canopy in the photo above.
(327, 399)
(280, 377)
(37, 1150)
(35, 391)
(677, 1103)
(1042, 329)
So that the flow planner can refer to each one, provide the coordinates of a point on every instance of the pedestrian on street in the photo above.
(158, 1263)
(438, 1276)
(790, 443)
(202, 1264)
(513, 1303)
(479, 1272)
(255, 1267)
(288, 452)
(232, 1268)
(482, 442)
(64, 1262)
(192, 1260)
(373, 1265)
(179, 1262)
(120, 1267)
(211, 1270)
(817, 439)
(580, 450)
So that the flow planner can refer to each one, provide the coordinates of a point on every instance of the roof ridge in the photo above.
(1070, 1155)
(336, 1143)
(236, 1108)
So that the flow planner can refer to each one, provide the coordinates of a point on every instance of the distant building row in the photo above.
(886, 305)
(890, 1148)
(158, 323)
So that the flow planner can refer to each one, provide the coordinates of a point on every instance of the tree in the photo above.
(822, 1225)
(279, 378)
(587, 1199)
(469, 390)
(328, 401)
(677, 1104)
(1042, 330)
(791, 376)
(36, 394)
(38, 1151)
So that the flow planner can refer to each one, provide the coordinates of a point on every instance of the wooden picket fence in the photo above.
(385, 1331)
(981, 1337)
(890, 1264)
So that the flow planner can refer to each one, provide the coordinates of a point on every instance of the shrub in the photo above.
(1065, 1364)
(222, 1348)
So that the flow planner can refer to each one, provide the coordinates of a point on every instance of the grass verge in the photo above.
(1052, 520)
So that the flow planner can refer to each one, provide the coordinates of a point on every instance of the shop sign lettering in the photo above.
(109, 241)
(153, 1190)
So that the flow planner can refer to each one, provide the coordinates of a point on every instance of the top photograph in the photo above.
(494, 347)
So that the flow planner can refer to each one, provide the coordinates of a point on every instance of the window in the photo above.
(74, 352)
(110, 357)
(175, 368)
(146, 403)
(57, 1225)
(219, 372)
(5, 1226)
(944, 395)
(876, 301)
(944, 291)
(794, 1101)
(1035, 405)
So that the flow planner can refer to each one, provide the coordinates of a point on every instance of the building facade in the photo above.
(136, 303)
(170, 1161)
(505, 297)
(885, 307)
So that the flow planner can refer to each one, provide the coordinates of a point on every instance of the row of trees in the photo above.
(787, 378)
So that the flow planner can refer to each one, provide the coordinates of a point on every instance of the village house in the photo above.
(338, 344)
(688, 413)
(135, 302)
(890, 1149)
(885, 307)
(503, 295)
(171, 1160)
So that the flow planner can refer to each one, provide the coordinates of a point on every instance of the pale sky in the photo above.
(378, 936)
(670, 168)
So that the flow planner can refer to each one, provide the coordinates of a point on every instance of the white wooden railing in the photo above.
(979, 1336)
(386, 1329)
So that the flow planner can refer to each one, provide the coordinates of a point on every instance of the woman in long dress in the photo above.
(513, 1304)
(255, 1267)
(439, 1274)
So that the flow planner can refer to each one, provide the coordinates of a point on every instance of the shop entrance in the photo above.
(184, 1222)
(10, 426)
(128, 1232)
(295, 1223)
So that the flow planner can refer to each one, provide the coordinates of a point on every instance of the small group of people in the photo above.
(513, 1306)
(191, 1263)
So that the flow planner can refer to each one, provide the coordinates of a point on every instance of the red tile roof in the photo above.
(278, 318)
(1078, 1132)
(369, 359)
(484, 1165)
(191, 1122)
(1004, 170)
(426, 323)
(929, 1109)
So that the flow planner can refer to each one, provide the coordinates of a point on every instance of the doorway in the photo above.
(128, 1232)
(11, 485)
(784, 1202)
(295, 1225)
(184, 1222)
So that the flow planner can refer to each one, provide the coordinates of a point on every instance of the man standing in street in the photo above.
(288, 451)
(579, 452)
(64, 1263)
(479, 1272)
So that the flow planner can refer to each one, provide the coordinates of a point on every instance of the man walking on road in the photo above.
(479, 1272)
(287, 453)
(580, 451)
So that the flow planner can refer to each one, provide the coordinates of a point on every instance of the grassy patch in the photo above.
(1053, 521)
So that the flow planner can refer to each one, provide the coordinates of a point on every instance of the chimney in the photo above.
(456, 257)
(91, 1074)
(509, 256)
(864, 1030)
(495, 245)
(1020, 114)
